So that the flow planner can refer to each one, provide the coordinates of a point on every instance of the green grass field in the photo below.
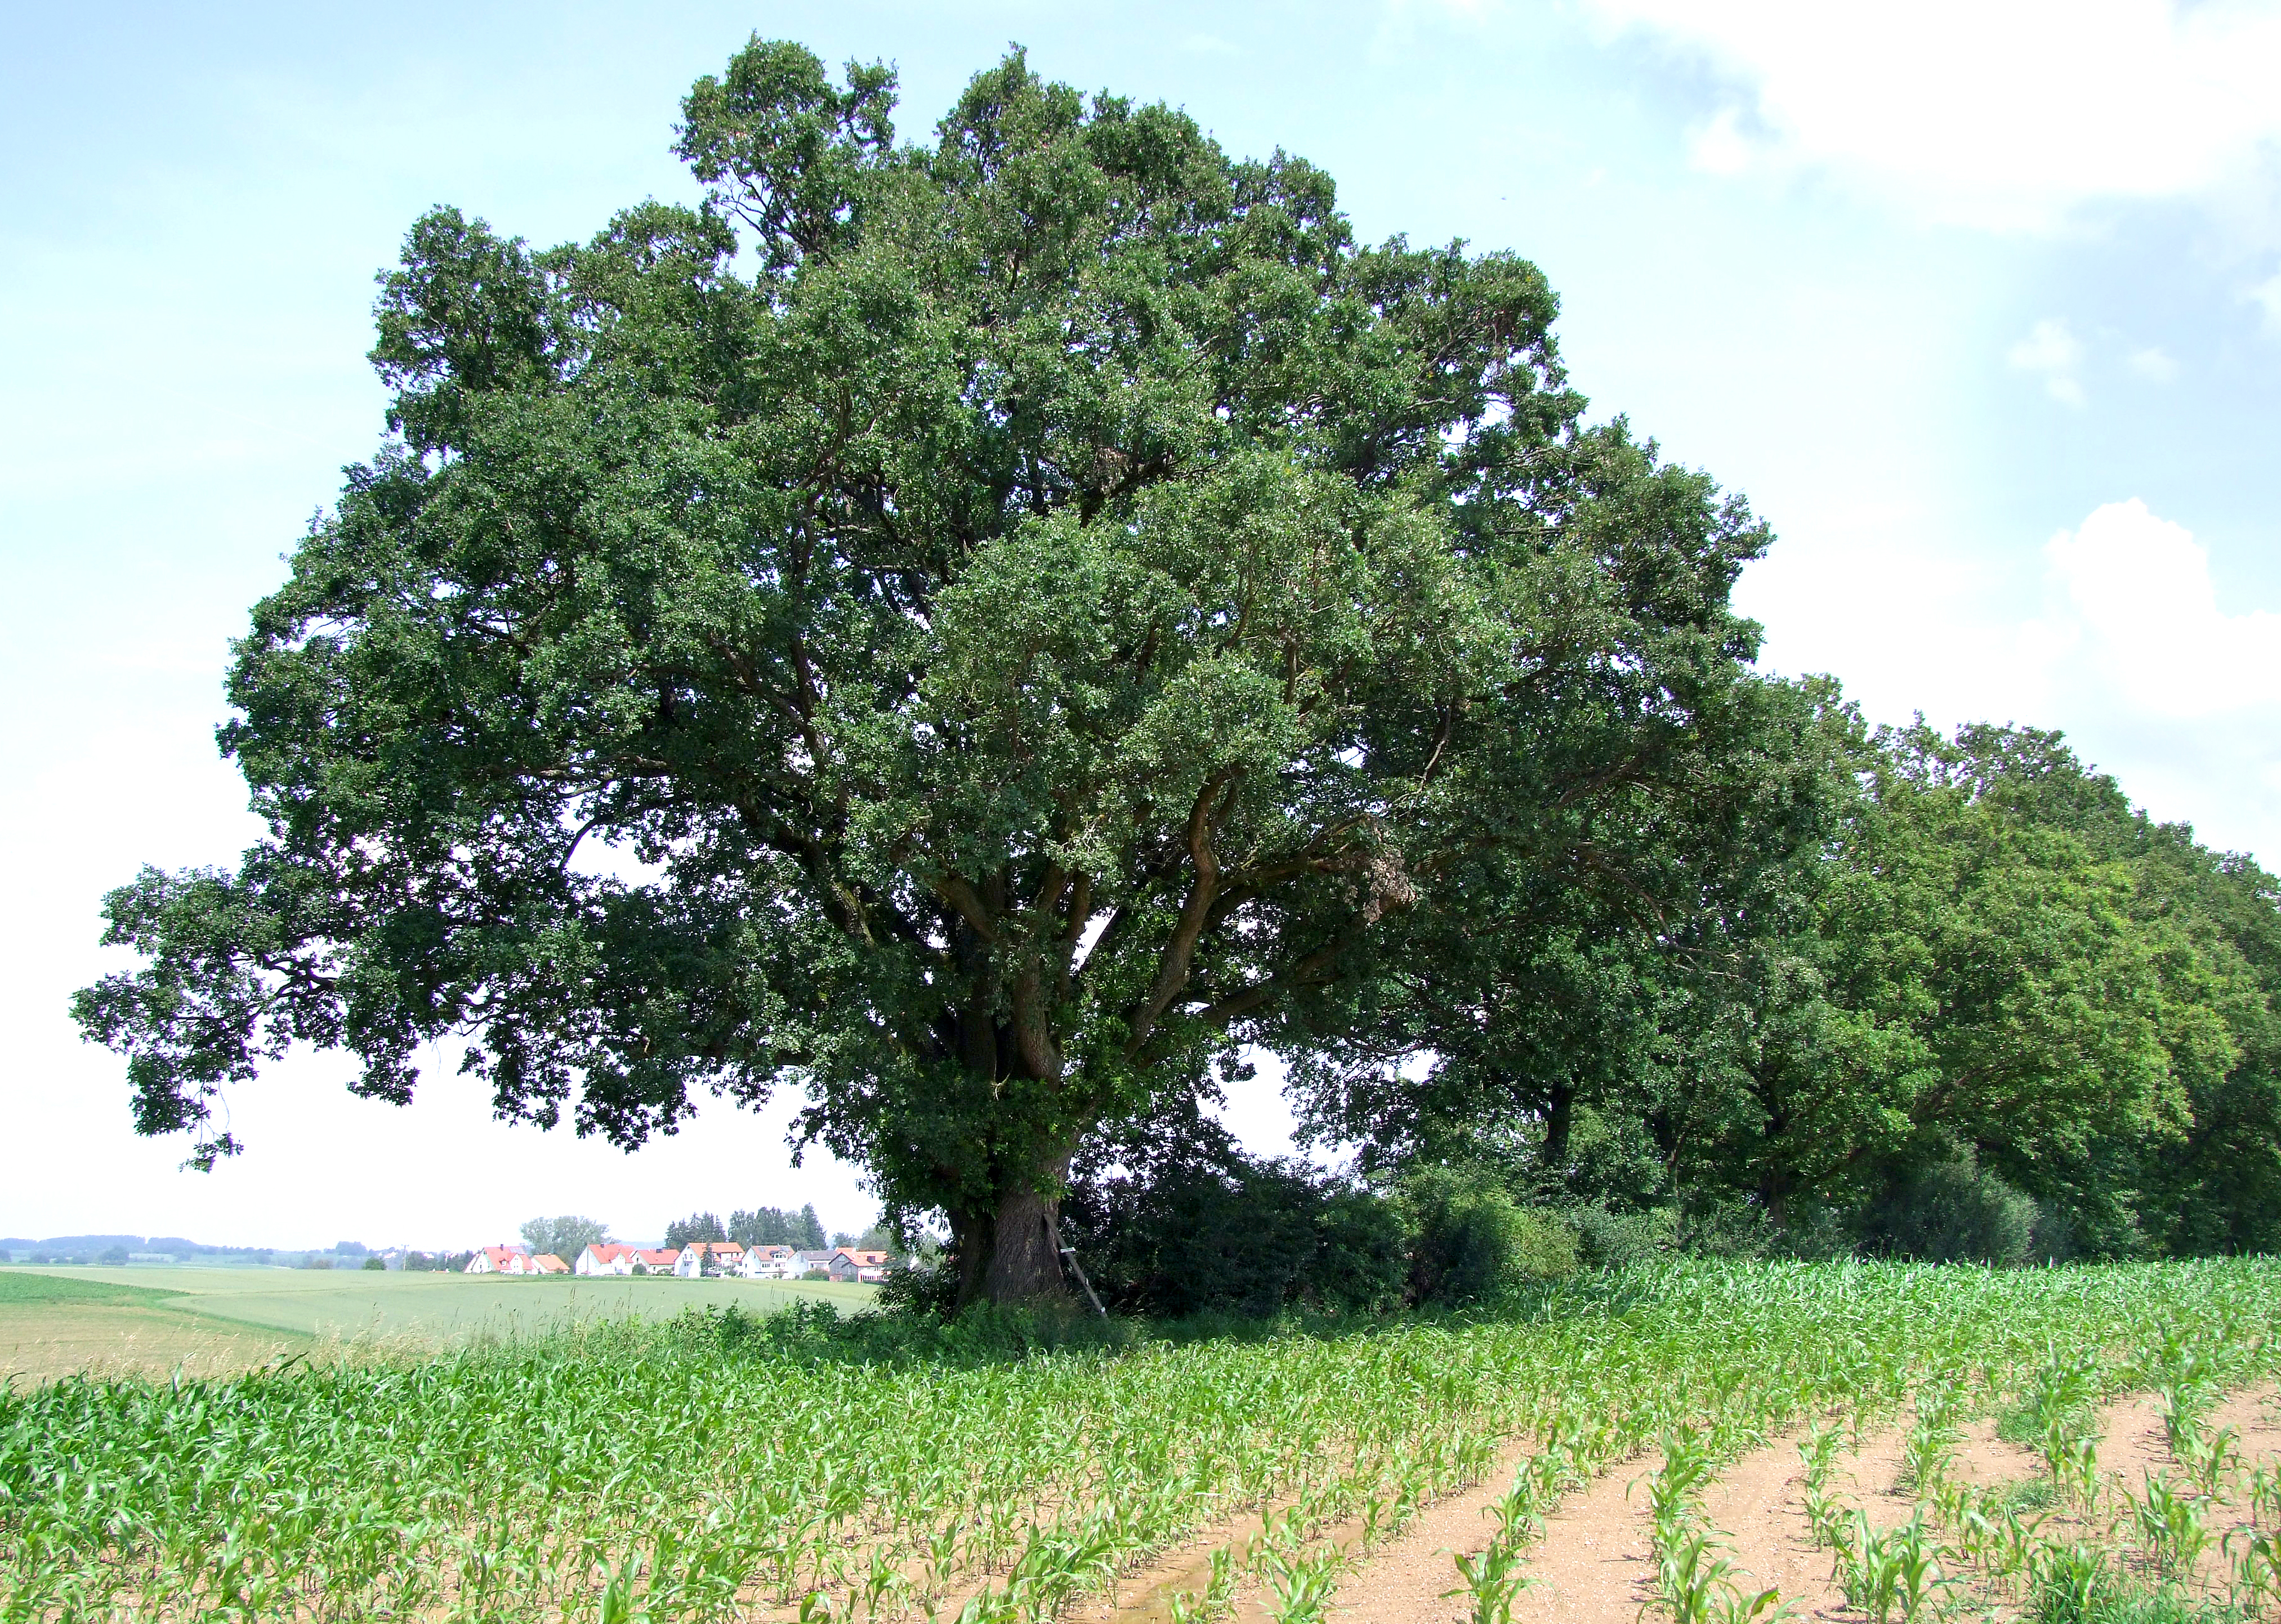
(57, 1322)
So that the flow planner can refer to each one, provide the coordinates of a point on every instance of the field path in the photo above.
(1596, 1562)
(1404, 1580)
(1758, 1503)
(1458, 1521)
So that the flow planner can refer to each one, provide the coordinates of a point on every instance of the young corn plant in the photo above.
(1689, 1573)
(1869, 1571)
(2209, 1459)
(2070, 1584)
(1303, 1588)
(1926, 1452)
(1916, 1567)
(1490, 1582)
(2257, 1569)
(2170, 1525)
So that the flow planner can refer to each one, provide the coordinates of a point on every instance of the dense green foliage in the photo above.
(1958, 1000)
(986, 631)
(1208, 1230)
(974, 628)
(696, 1226)
(724, 1465)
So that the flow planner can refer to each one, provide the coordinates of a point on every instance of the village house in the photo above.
(697, 1260)
(770, 1263)
(499, 1260)
(610, 1258)
(700, 1259)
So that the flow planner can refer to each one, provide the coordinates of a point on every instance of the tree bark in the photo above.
(1559, 1119)
(1023, 1268)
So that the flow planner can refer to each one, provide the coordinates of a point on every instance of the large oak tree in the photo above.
(968, 630)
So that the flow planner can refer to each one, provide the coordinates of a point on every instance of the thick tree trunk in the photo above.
(1024, 1267)
(1009, 1254)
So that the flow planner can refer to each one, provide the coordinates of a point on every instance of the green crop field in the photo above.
(213, 1321)
(724, 1466)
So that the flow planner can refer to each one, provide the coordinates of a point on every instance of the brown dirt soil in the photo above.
(1145, 1596)
(2132, 1447)
(1985, 1460)
(1402, 1582)
(1759, 1505)
(2254, 1413)
(1595, 1564)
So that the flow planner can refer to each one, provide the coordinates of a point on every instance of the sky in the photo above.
(1979, 306)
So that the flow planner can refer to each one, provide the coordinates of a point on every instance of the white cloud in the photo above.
(2005, 113)
(2157, 679)
(2154, 364)
(2137, 618)
(1719, 147)
(2053, 353)
(2134, 650)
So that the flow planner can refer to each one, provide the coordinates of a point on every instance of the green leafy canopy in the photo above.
(1010, 613)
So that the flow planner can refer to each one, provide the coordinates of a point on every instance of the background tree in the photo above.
(1045, 620)
(564, 1237)
(763, 1227)
(1934, 982)
(1553, 1023)
(696, 1226)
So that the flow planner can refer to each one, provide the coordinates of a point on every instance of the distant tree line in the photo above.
(803, 1231)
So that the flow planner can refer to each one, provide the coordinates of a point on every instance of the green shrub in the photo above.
(1470, 1243)
(1606, 1240)
(1362, 1259)
(1953, 1212)
(1207, 1229)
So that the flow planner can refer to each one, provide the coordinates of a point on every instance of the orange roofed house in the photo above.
(702, 1257)
(500, 1260)
(608, 1259)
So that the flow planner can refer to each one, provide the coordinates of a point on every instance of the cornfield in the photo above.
(619, 1473)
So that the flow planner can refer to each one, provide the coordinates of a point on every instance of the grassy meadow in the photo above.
(721, 1465)
(149, 1322)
